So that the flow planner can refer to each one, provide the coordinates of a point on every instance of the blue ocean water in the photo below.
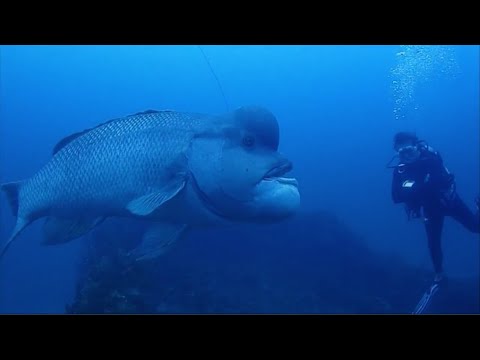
(338, 108)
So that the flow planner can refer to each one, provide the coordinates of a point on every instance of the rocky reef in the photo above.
(312, 263)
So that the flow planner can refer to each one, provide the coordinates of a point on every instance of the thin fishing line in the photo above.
(215, 76)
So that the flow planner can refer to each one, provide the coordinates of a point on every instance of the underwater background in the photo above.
(348, 250)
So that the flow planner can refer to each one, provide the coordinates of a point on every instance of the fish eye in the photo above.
(248, 141)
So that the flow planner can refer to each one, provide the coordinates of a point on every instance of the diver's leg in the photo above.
(433, 227)
(461, 213)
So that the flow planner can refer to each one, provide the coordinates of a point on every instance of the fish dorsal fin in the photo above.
(68, 139)
(149, 111)
(62, 143)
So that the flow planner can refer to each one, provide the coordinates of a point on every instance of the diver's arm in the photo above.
(438, 179)
(396, 189)
(406, 192)
(404, 188)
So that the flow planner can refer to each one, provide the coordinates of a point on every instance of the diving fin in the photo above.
(426, 299)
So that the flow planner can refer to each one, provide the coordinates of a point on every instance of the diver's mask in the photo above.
(408, 153)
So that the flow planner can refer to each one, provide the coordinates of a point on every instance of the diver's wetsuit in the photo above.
(426, 183)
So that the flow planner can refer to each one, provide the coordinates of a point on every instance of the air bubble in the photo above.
(416, 65)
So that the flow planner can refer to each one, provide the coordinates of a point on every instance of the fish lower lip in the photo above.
(279, 170)
(283, 180)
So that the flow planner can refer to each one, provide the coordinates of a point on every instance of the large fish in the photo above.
(177, 170)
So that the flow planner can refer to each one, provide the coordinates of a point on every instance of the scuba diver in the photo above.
(426, 187)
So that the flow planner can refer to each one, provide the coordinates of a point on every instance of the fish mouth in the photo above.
(277, 172)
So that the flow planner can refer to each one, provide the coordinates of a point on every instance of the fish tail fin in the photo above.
(21, 224)
(12, 189)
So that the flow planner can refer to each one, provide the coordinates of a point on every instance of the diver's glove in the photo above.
(449, 196)
(413, 212)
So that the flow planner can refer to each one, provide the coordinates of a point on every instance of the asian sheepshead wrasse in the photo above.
(178, 170)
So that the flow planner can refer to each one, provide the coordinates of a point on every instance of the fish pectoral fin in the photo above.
(58, 231)
(157, 240)
(147, 204)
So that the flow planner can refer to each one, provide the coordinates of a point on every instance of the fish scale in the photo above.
(133, 153)
(178, 170)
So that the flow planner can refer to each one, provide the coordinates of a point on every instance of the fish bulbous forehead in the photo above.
(259, 122)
